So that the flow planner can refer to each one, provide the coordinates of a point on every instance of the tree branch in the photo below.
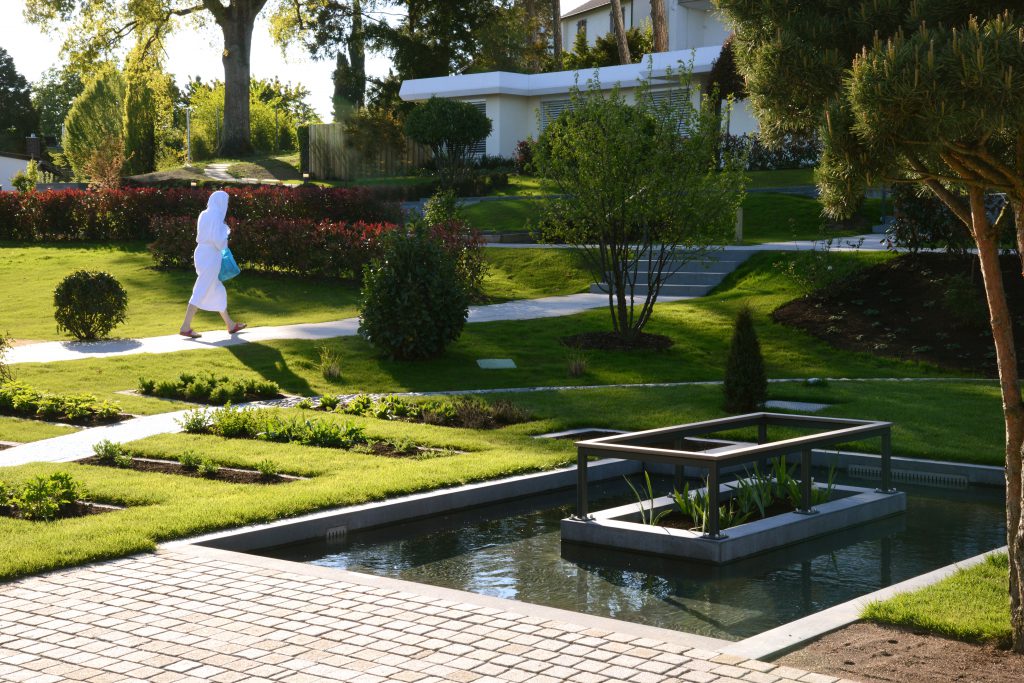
(955, 204)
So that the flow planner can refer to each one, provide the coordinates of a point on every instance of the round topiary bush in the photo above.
(89, 304)
(413, 303)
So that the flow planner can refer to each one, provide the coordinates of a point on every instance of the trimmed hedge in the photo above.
(302, 246)
(126, 214)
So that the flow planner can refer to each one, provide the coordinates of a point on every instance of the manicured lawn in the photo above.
(163, 507)
(19, 430)
(784, 178)
(770, 217)
(507, 215)
(157, 298)
(534, 273)
(701, 329)
(525, 185)
(971, 605)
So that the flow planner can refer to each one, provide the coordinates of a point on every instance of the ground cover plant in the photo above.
(21, 400)
(43, 499)
(207, 387)
(108, 454)
(156, 296)
(970, 605)
(447, 411)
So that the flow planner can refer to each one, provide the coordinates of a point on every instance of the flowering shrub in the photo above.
(127, 213)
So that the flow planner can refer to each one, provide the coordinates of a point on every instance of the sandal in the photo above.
(190, 334)
(237, 327)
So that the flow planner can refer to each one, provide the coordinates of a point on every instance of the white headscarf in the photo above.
(211, 226)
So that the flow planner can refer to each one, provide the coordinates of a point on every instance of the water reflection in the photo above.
(514, 550)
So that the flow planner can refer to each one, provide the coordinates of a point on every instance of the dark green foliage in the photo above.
(5, 371)
(922, 221)
(746, 385)
(89, 304)
(413, 303)
(18, 117)
(139, 116)
(302, 133)
(52, 96)
(455, 411)
(605, 51)
(95, 119)
(450, 128)
(42, 498)
(21, 400)
(206, 387)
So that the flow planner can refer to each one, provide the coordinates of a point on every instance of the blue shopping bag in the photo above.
(228, 267)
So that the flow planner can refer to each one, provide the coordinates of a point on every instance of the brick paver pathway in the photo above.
(191, 614)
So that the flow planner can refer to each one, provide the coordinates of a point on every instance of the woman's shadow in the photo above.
(270, 364)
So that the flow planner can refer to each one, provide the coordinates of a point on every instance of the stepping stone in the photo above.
(496, 363)
(797, 405)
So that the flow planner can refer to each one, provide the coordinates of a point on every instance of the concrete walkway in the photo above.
(525, 309)
(188, 614)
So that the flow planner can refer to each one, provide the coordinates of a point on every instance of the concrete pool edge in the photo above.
(778, 641)
(772, 643)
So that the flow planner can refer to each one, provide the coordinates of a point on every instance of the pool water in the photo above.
(514, 550)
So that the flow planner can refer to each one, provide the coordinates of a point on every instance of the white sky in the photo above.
(191, 53)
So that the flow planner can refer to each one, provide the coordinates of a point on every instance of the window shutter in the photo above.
(479, 148)
(678, 100)
(551, 110)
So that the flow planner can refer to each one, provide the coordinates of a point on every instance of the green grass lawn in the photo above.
(19, 430)
(784, 178)
(971, 605)
(163, 507)
(157, 298)
(534, 273)
(770, 217)
(507, 215)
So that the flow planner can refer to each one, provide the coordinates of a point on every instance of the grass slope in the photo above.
(503, 215)
(972, 605)
(20, 430)
(157, 298)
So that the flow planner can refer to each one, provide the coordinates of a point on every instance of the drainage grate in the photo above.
(337, 534)
(948, 481)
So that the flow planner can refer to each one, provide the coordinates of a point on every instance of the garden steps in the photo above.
(692, 279)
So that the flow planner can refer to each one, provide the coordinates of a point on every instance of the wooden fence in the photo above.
(333, 156)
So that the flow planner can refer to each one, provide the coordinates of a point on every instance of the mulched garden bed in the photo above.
(226, 474)
(925, 307)
(609, 341)
(80, 508)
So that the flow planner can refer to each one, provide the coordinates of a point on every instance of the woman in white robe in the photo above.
(208, 293)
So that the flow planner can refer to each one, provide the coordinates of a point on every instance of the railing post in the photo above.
(581, 485)
(762, 437)
(805, 483)
(711, 528)
(887, 461)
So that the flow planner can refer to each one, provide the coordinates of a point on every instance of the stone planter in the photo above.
(620, 527)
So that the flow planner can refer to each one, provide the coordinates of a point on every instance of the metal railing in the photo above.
(649, 446)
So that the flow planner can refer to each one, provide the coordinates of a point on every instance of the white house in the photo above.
(691, 23)
(11, 164)
(520, 105)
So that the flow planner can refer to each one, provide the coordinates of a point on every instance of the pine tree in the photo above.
(746, 385)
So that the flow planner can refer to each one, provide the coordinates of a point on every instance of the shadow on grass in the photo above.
(270, 364)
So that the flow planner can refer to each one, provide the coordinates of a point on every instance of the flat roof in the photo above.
(655, 66)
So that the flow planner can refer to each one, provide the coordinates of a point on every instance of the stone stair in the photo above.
(694, 277)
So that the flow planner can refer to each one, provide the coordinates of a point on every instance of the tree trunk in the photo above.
(660, 25)
(620, 33)
(556, 32)
(986, 237)
(236, 22)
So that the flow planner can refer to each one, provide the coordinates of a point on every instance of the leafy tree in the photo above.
(450, 128)
(52, 96)
(140, 110)
(95, 120)
(330, 29)
(637, 194)
(101, 25)
(605, 51)
(18, 118)
(925, 92)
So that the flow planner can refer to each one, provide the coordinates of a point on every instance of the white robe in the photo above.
(208, 293)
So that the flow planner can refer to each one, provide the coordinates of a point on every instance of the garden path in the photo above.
(189, 613)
